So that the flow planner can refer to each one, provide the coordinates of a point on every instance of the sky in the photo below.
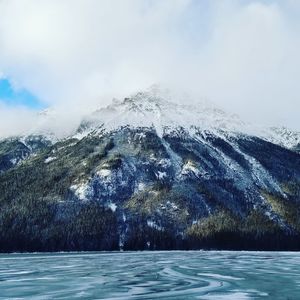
(75, 55)
(17, 97)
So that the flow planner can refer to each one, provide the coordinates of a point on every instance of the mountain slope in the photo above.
(149, 174)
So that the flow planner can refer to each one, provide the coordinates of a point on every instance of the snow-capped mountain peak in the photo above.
(160, 108)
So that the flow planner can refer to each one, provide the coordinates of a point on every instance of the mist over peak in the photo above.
(158, 106)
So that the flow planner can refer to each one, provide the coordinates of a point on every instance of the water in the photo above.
(151, 275)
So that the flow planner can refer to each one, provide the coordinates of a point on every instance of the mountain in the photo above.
(150, 173)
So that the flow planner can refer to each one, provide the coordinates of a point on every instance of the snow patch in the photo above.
(140, 136)
(189, 168)
(104, 172)
(141, 186)
(161, 175)
(164, 163)
(14, 161)
(112, 206)
(152, 224)
(49, 159)
(169, 206)
(82, 191)
(124, 217)
(172, 205)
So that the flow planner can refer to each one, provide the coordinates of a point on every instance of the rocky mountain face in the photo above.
(146, 173)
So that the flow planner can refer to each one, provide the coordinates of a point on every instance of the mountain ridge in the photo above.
(158, 107)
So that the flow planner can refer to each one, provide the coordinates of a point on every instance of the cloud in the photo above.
(82, 49)
(15, 120)
(77, 54)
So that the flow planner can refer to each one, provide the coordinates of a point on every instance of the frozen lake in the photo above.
(151, 275)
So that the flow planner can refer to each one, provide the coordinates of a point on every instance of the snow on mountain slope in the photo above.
(165, 110)
(281, 136)
(159, 108)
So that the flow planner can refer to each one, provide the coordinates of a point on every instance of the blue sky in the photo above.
(13, 97)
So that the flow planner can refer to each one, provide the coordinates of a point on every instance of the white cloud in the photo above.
(251, 64)
(15, 120)
(244, 55)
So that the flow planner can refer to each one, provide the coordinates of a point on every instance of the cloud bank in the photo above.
(77, 54)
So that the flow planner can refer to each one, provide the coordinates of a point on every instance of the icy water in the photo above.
(151, 275)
